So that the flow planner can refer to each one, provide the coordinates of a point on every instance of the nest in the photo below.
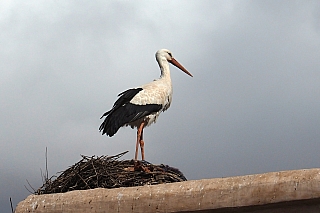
(109, 172)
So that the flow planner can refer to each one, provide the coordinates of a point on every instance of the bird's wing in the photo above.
(124, 98)
(124, 112)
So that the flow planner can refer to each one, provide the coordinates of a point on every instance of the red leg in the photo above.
(137, 145)
(142, 145)
(140, 141)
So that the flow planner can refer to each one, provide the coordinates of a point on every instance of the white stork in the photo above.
(140, 107)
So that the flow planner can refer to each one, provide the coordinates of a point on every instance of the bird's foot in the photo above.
(141, 166)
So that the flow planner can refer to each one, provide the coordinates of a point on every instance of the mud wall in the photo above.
(286, 191)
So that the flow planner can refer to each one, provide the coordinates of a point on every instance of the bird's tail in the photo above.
(115, 118)
(109, 126)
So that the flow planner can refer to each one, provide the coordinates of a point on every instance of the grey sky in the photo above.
(252, 106)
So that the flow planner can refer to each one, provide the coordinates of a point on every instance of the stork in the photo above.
(140, 106)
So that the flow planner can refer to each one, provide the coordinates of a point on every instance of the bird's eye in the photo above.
(170, 54)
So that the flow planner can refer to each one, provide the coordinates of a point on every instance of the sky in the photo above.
(253, 105)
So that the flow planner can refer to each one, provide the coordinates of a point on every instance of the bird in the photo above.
(140, 106)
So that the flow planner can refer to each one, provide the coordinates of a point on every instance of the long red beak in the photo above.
(177, 64)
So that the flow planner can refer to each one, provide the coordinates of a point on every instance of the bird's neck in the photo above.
(165, 70)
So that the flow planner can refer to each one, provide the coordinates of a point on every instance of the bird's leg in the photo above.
(137, 145)
(142, 144)
(140, 141)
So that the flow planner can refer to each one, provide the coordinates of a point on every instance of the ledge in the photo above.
(272, 190)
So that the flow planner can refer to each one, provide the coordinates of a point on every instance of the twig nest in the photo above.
(109, 172)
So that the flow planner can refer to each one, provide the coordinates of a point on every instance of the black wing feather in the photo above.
(124, 112)
(124, 98)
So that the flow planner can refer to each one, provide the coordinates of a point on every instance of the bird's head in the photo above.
(166, 55)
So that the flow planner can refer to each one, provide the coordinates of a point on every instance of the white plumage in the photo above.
(140, 107)
(156, 92)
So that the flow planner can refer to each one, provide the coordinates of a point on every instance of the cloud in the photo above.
(251, 107)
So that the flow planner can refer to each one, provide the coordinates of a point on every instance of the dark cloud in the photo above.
(251, 107)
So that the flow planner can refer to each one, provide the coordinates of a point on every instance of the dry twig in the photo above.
(109, 172)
